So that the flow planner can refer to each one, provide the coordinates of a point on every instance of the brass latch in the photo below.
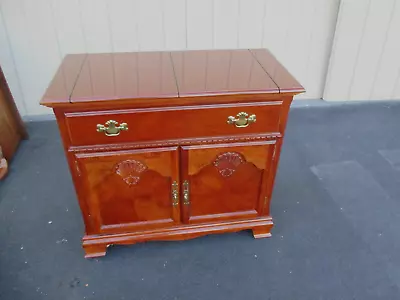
(175, 194)
(186, 199)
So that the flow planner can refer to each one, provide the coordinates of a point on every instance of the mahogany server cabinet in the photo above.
(171, 145)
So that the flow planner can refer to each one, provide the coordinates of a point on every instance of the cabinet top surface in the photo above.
(167, 75)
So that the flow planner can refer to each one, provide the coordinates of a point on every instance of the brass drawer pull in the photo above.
(175, 194)
(111, 128)
(186, 199)
(242, 119)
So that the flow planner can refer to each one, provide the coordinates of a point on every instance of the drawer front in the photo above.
(140, 125)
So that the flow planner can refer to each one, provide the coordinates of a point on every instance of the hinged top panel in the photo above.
(220, 72)
(167, 75)
(60, 88)
(113, 76)
(278, 73)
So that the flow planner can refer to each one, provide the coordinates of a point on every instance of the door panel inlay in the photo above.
(130, 171)
(227, 162)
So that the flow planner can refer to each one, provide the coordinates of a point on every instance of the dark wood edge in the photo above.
(12, 106)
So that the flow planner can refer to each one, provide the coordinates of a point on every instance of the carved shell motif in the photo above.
(227, 162)
(130, 171)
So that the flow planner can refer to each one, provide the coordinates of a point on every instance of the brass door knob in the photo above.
(242, 119)
(111, 128)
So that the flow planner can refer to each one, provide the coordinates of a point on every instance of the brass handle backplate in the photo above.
(111, 128)
(242, 119)
(175, 194)
(186, 199)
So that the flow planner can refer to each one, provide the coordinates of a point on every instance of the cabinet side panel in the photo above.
(75, 172)
(269, 179)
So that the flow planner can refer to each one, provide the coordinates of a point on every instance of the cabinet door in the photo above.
(226, 181)
(130, 190)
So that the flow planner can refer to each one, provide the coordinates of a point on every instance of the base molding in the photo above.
(96, 245)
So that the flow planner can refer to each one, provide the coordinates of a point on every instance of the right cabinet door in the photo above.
(226, 181)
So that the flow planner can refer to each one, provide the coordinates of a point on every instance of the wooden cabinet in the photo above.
(169, 146)
(11, 127)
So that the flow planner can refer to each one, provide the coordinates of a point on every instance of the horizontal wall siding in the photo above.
(365, 60)
(35, 35)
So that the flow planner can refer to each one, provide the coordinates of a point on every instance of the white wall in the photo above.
(365, 61)
(35, 35)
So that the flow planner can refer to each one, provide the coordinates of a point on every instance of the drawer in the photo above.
(140, 125)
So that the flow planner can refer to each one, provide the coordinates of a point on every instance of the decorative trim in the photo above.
(130, 171)
(227, 162)
(212, 140)
(100, 241)
(178, 232)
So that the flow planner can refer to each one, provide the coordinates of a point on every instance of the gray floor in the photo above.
(336, 206)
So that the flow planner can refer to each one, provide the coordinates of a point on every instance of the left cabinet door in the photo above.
(130, 190)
